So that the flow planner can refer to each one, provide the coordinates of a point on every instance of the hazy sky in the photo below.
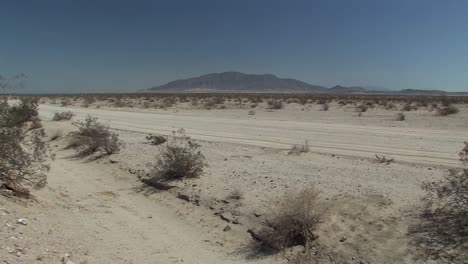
(115, 45)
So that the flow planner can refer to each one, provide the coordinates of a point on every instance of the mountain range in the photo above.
(237, 82)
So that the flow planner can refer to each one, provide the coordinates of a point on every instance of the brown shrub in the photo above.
(400, 117)
(464, 153)
(298, 149)
(293, 223)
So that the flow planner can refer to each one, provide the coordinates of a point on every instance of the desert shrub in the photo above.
(407, 107)
(464, 153)
(400, 117)
(63, 116)
(93, 137)
(119, 103)
(325, 106)
(275, 104)
(180, 158)
(443, 230)
(390, 106)
(383, 159)
(22, 160)
(65, 102)
(156, 139)
(447, 110)
(298, 149)
(362, 108)
(252, 112)
(294, 222)
(16, 115)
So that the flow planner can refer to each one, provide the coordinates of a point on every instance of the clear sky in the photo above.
(116, 45)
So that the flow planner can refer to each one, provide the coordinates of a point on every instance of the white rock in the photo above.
(23, 221)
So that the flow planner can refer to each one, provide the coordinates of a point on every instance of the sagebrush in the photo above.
(179, 158)
(93, 137)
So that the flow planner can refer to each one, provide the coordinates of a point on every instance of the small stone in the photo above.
(23, 221)
(227, 228)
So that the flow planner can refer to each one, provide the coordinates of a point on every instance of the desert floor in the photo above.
(99, 211)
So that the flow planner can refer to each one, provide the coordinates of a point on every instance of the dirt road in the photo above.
(412, 145)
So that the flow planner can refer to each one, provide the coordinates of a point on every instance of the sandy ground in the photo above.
(98, 211)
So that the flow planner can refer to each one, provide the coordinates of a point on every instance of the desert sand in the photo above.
(99, 211)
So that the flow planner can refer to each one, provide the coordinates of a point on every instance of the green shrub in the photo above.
(93, 137)
(63, 116)
(178, 159)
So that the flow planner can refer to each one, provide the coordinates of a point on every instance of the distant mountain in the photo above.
(238, 82)
(422, 92)
(343, 89)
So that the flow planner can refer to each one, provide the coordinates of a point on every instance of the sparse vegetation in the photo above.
(17, 115)
(63, 116)
(275, 104)
(180, 158)
(293, 223)
(447, 110)
(400, 117)
(298, 149)
(464, 153)
(443, 230)
(156, 140)
(93, 137)
(23, 155)
(383, 159)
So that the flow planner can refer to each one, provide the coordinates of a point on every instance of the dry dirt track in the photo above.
(413, 145)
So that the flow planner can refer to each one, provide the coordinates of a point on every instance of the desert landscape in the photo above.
(268, 179)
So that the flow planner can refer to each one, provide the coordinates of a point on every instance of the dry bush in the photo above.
(252, 112)
(63, 116)
(400, 117)
(442, 232)
(119, 103)
(362, 108)
(464, 153)
(298, 149)
(65, 102)
(293, 223)
(17, 115)
(93, 137)
(275, 104)
(390, 106)
(325, 106)
(383, 159)
(22, 160)
(447, 110)
(180, 158)
(156, 140)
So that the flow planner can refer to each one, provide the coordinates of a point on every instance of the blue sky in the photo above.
(101, 45)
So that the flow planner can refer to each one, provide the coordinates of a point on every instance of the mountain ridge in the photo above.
(238, 82)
